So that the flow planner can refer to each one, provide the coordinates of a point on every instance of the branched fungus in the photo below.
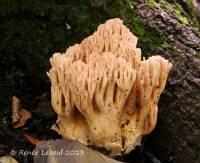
(102, 91)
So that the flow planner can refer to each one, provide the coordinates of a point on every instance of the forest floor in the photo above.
(39, 127)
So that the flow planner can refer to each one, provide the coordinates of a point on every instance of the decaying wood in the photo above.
(69, 151)
(178, 129)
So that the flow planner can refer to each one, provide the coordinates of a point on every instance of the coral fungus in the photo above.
(102, 91)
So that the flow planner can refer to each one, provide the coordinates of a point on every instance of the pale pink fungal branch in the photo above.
(102, 91)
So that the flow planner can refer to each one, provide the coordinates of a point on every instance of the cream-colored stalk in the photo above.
(100, 89)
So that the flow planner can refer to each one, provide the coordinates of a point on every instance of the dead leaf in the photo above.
(31, 139)
(16, 105)
(19, 115)
(7, 159)
(24, 115)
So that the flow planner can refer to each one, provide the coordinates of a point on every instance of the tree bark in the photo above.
(177, 135)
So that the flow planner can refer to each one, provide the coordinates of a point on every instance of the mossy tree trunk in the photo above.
(177, 135)
(32, 31)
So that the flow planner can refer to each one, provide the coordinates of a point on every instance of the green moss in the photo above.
(154, 3)
(179, 11)
(193, 14)
(147, 37)
(181, 17)
(198, 54)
